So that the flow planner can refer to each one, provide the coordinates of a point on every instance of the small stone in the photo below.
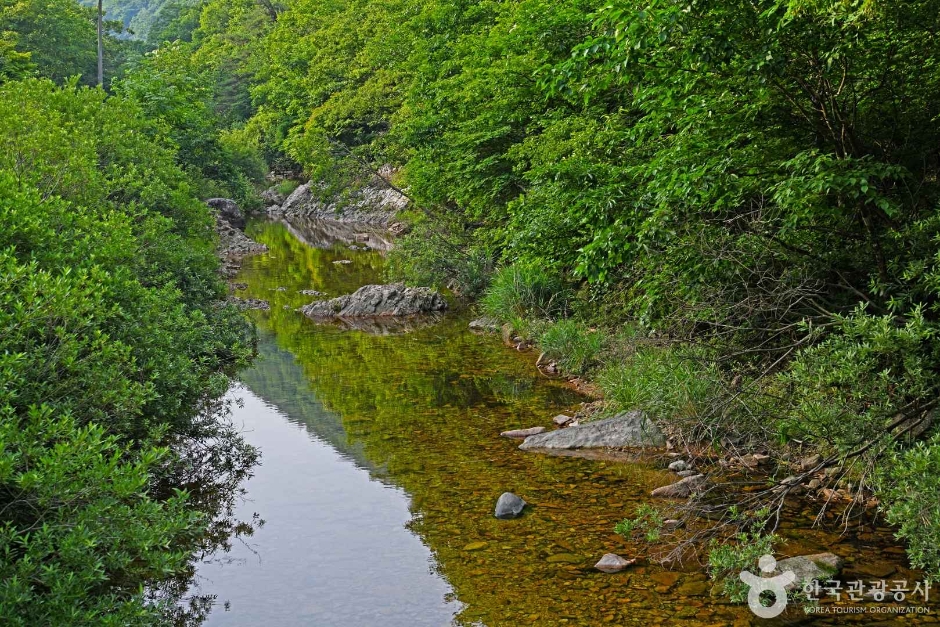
(522, 433)
(561, 420)
(686, 473)
(312, 293)
(810, 462)
(564, 558)
(680, 489)
(814, 484)
(475, 546)
(613, 563)
(678, 466)
(671, 524)
(509, 506)
(342, 261)
(693, 589)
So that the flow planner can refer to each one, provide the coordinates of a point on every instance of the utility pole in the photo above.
(100, 47)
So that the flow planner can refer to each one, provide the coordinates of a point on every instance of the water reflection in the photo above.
(363, 434)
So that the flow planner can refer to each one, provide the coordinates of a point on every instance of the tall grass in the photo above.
(576, 348)
(521, 292)
(667, 383)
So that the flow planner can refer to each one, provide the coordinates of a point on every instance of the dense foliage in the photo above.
(727, 210)
(750, 187)
(114, 351)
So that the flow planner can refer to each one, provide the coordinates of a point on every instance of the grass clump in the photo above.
(523, 291)
(576, 348)
(666, 382)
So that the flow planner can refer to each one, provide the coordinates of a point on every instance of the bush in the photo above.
(572, 345)
(430, 255)
(113, 347)
(524, 291)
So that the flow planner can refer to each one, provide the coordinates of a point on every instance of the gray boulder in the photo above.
(679, 465)
(680, 489)
(819, 566)
(272, 197)
(379, 301)
(375, 203)
(629, 429)
(228, 210)
(509, 506)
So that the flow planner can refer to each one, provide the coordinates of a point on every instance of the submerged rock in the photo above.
(250, 303)
(379, 301)
(819, 566)
(485, 324)
(613, 563)
(522, 433)
(680, 489)
(629, 429)
(228, 210)
(509, 506)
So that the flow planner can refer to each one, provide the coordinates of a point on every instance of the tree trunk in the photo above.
(100, 47)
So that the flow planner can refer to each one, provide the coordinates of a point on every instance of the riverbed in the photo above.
(382, 463)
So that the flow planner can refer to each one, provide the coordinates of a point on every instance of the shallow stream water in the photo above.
(382, 463)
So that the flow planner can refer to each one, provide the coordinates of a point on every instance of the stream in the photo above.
(382, 463)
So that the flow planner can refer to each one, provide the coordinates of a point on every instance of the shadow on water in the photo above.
(415, 418)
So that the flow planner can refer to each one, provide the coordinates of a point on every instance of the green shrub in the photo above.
(908, 484)
(728, 559)
(114, 353)
(286, 187)
(431, 256)
(574, 346)
(525, 291)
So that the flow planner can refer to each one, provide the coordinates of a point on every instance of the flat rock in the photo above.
(613, 563)
(379, 301)
(629, 429)
(509, 506)
(561, 420)
(686, 473)
(819, 566)
(522, 433)
(680, 489)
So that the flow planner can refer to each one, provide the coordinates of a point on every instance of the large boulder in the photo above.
(379, 301)
(375, 203)
(629, 429)
(227, 209)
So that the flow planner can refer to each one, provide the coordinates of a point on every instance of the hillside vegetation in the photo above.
(725, 212)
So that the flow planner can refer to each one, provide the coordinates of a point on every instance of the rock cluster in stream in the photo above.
(376, 203)
(379, 301)
(234, 245)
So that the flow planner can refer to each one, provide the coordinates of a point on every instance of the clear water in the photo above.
(382, 464)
